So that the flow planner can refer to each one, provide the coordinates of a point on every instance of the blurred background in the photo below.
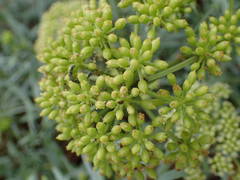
(28, 149)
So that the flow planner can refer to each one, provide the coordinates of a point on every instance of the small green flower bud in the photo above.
(201, 103)
(160, 64)
(222, 45)
(126, 126)
(111, 147)
(149, 145)
(107, 13)
(148, 130)
(171, 78)
(119, 114)
(74, 86)
(120, 23)
(135, 92)
(142, 86)
(130, 109)
(116, 129)
(86, 52)
(107, 53)
(134, 64)
(192, 77)
(187, 85)
(135, 41)
(132, 119)
(124, 43)
(128, 76)
(186, 50)
(149, 70)
(92, 132)
(125, 52)
(123, 91)
(107, 25)
(100, 153)
(101, 127)
(104, 139)
(181, 23)
(124, 151)
(144, 19)
(147, 45)
(156, 44)
(156, 21)
(195, 66)
(136, 149)
(200, 51)
(89, 148)
(84, 108)
(161, 137)
(145, 156)
(134, 19)
(112, 38)
(118, 79)
(94, 42)
(100, 104)
(146, 56)
(136, 134)
(167, 11)
(201, 91)
(111, 104)
(74, 109)
(45, 112)
(123, 62)
(126, 141)
(170, 27)
(109, 117)
(85, 140)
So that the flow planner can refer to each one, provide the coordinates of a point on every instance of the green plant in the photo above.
(28, 149)
(104, 90)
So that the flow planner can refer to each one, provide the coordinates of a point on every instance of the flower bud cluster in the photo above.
(184, 113)
(223, 128)
(96, 87)
(164, 13)
(194, 174)
(52, 20)
(93, 81)
(227, 140)
(209, 47)
(228, 26)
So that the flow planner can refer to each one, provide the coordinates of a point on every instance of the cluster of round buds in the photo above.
(51, 23)
(227, 143)
(194, 173)
(183, 114)
(96, 86)
(96, 91)
(164, 13)
(222, 165)
(209, 48)
(228, 26)
(223, 128)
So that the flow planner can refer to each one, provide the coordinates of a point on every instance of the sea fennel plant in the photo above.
(103, 89)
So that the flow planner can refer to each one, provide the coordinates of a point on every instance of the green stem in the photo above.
(172, 69)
